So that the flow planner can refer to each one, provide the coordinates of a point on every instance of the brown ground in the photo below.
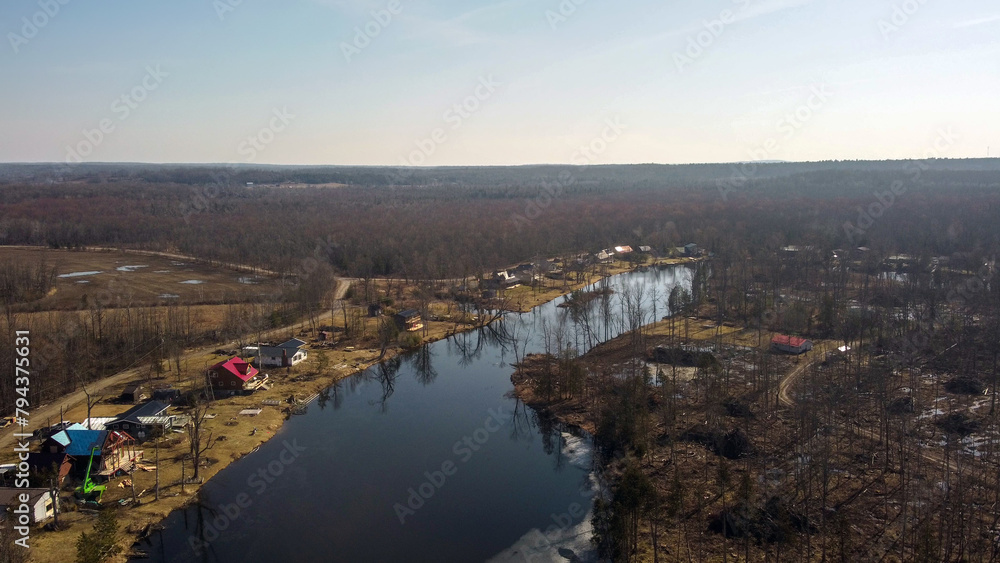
(772, 430)
(864, 487)
(147, 286)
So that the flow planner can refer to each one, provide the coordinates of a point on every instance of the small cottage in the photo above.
(40, 502)
(790, 344)
(408, 320)
(135, 394)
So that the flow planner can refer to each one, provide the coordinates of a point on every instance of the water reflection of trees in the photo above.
(525, 420)
(204, 514)
(423, 365)
(385, 374)
(550, 430)
(334, 393)
(471, 344)
(522, 420)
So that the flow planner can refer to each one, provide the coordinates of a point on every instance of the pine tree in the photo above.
(101, 544)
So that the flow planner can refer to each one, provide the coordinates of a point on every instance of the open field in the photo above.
(137, 279)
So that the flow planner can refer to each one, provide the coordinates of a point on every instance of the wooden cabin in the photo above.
(408, 320)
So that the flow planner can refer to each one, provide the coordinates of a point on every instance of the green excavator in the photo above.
(89, 491)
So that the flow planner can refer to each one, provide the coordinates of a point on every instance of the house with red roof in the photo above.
(790, 344)
(235, 376)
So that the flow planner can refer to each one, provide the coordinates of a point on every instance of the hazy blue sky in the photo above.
(867, 79)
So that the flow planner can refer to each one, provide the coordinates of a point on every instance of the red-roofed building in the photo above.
(235, 375)
(790, 344)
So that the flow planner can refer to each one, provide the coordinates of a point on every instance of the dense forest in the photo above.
(885, 452)
(451, 222)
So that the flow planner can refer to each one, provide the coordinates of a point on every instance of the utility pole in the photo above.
(156, 445)
(55, 501)
(131, 475)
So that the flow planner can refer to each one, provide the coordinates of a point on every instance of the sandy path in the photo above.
(111, 385)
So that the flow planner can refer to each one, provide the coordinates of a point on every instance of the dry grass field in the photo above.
(142, 280)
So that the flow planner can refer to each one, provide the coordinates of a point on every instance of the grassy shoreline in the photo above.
(240, 435)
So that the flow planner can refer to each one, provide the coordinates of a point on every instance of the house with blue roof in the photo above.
(113, 451)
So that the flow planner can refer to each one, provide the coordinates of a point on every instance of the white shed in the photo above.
(39, 503)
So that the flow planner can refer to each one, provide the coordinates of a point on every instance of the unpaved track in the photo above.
(111, 385)
(818, 352)
(785, 386)
(786, 399)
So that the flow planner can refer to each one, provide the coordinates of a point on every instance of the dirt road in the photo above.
(112, 385)
(791, 378)
(786, 399)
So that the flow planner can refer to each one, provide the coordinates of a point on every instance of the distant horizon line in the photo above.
(431, 167)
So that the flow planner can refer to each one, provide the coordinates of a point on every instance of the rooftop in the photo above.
(788, 340)
(237, 367)
(9, 495)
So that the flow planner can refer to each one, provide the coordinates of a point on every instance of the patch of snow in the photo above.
(931, 413)
(79, 274)
(560, 542)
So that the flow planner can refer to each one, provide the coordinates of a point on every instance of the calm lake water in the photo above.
(426, 457)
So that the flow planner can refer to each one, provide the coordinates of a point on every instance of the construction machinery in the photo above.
(89, 491)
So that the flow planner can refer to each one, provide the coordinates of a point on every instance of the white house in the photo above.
(506, 279)
(38, 503)
(283, 355)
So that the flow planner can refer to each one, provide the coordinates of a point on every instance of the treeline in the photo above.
(460, 223)
(629, 176)
(22, 282)
(886, 450)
